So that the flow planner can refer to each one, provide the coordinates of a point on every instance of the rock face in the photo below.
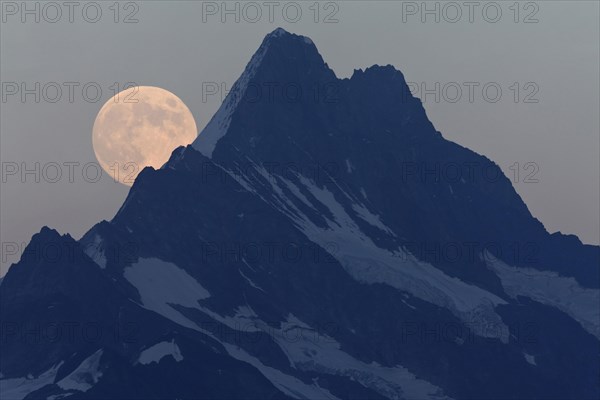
(319, 240)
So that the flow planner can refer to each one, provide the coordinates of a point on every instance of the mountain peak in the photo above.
(281, 33)
(283, 60)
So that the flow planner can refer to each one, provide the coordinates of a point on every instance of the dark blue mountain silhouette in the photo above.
(320, 239)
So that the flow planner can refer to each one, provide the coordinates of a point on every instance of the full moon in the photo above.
(140, 127)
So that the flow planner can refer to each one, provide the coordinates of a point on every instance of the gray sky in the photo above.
(181, 45)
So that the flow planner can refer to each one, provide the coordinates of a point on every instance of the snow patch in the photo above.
(371, 218)
(85, 376)
(18, 388)
(289, 385)
(349, 167)
(244, 319)
(95, 251)
(160, 350)
(162, 284)
(250, 281)
(547, 287)
(530, 359)
(59, 396)
(320, 353)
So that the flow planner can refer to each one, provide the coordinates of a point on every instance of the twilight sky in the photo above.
(545, 124)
